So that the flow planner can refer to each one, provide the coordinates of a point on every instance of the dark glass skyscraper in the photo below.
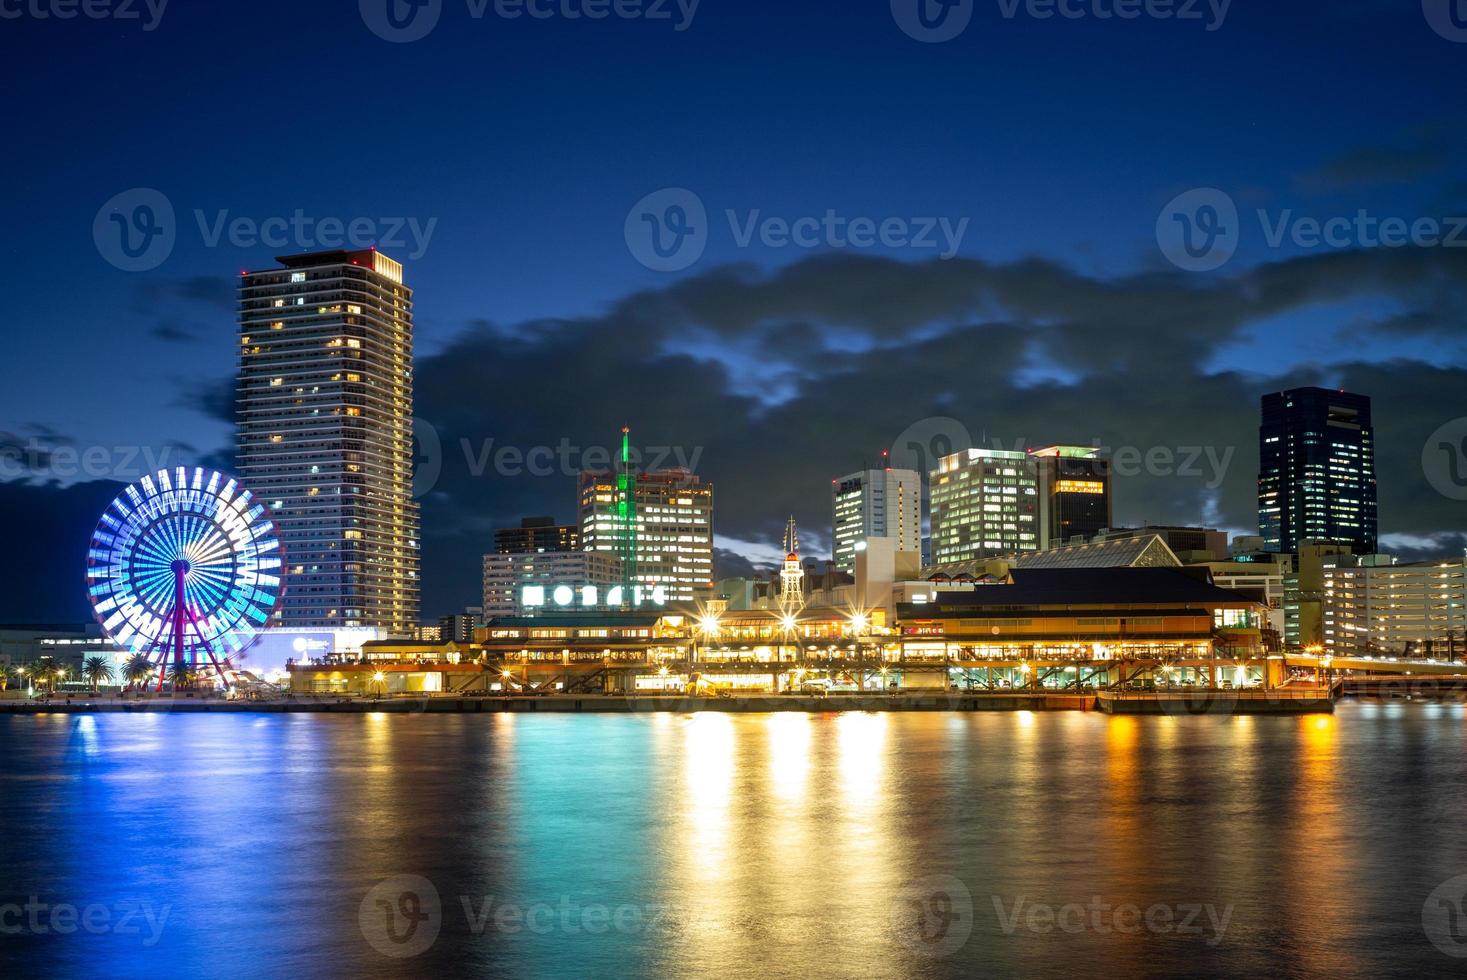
(1316, 471)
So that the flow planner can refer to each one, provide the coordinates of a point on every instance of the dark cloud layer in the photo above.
(771, 384)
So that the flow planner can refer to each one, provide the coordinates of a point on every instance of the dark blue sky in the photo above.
(527, 142)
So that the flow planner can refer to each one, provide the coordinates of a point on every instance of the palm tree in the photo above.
(47, 673)
(96, 670)
(182, 676)
(137, 669)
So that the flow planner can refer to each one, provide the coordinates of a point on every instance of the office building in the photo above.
(506, 576)
(660, 524)
(537, 534)
(985, 503)
(885, 503)
(1074, 493)
(1316, 475)
(325, 434)
(1373, 607)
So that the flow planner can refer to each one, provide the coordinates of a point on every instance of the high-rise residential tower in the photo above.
(325, 434)
(876, 504)
(985, 503)
(1316, 472)
(660, 524)
(1074, 493)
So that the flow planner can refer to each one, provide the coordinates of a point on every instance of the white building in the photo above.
(1417, 610)
(666, 529)
(876, 504)
(324, 422)
(507, 576)
(985, 503)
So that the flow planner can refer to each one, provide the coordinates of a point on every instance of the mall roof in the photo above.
(1086, 587)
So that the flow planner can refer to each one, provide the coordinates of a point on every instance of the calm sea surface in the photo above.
(763, 846)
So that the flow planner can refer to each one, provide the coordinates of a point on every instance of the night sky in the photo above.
(1055, 144)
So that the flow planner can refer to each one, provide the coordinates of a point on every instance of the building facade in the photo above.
(1316, 471)
(537, 534)
(506, 576)
(662, 521)
(1074, 493)
(883, 503)
(985, 503)
(1372, 608)
(325, 434)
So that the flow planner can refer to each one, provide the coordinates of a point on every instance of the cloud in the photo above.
(770, 384)
(172, 332)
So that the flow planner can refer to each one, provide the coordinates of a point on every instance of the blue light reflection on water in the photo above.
(726, 844)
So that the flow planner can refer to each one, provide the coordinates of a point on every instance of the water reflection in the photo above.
(764, 845)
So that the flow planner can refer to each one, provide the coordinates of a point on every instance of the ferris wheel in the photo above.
(185, 568)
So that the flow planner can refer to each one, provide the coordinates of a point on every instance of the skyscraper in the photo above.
(876, 504)
(665, 528)
(324, 412)
(985, 503)
(1316, 473)
(1074, 493)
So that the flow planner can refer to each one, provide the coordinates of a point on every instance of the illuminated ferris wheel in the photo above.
(185, 568)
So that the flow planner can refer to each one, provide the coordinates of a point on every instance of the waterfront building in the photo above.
(507, 576)
(985, 503)
(1304, 592)
(536, 534)
(1316, 477)
(879, 503)
(1074, 493)
(325, 434)
(1374, 607)
(661, 522)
